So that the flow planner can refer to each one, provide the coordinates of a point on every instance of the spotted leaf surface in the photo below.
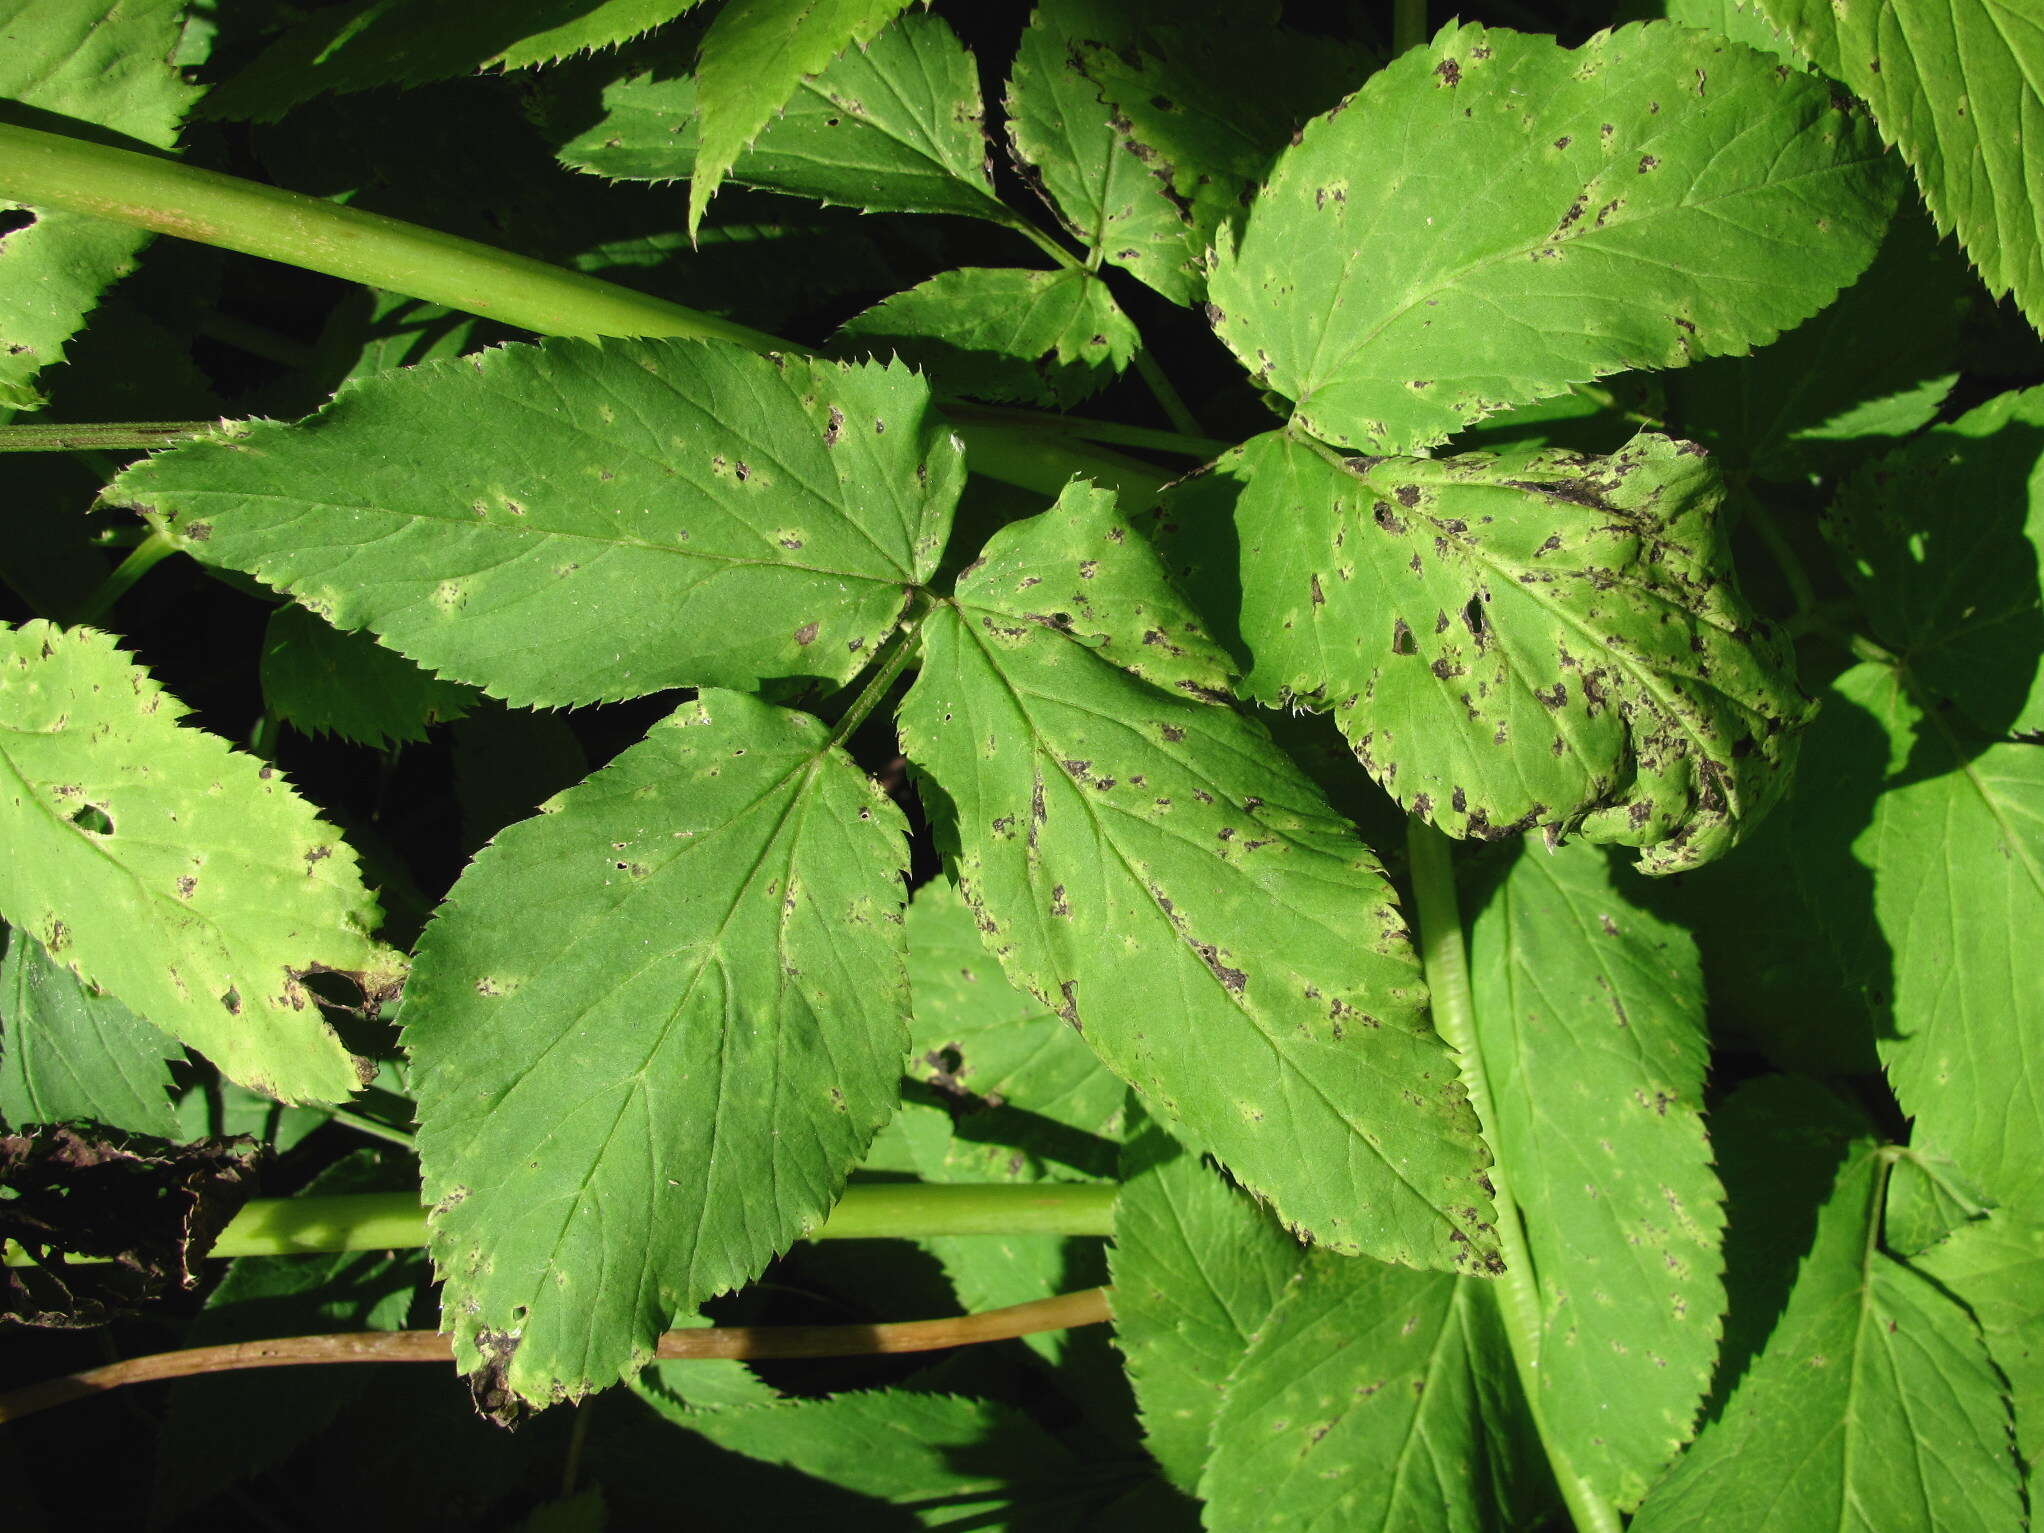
(652, 1029)
(180, 876)
(1536, 639)
(98, 62)
(1590, 1018)
(1495, 217)
(1872, 1407)
(572, 522)
(1145, 861)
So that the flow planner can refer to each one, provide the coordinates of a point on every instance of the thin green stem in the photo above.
(894, 657)
(1167, 396)
(111, 436)
(150, 192)
(379, 1221)
(362, 1123)
(1204, 448)
(1454, 1009)
(1010, 219)
(1761, 518)
(142, 558)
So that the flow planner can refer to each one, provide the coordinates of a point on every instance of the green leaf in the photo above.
(571, 522)
(1743, 21)
(1064, 139)
(652, 1029)
(70, 1052)
(100, 64)
(1954, 845)
(1495, 217)
(895, 127)
(1873, 1405)
(754, 58)
(1590, 1016)
(215, 890)
(1143, 860)
(1996, 1267)
(412, 42)
(1197, 1267)
(940, 1458)
(976, 1033)
(1953, 85)
(1928, 1198)
(328, 682)
(1529, 639)
(1877, 363)
(1374, 1397)
(1038, 337)
(1956, 595)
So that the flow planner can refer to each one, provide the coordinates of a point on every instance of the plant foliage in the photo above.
(1492, 782)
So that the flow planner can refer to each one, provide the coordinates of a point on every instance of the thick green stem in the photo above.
(112, 436)
(894, 658)
(142, 558)
(1454, 1009)
(1408, 24)
(377, 1221)
(1166, 394)
(150, 192)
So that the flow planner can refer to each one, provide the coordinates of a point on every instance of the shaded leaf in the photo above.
(150, 1209)
(892, 127)
(410, 42)
(754, 58)
(652, 1029)
(1996, 1267)
(100, 64)
(1955, 593)
(325, 681)
(573, 522)
(1928, 1198)
(1589, 1014)
(1143, 860)
(1197, 1269)
(1374, 1396)
(1952, 84)
(1873, 1405)
(1494, 217)
(67, 1051)
(1039, 337)
(176, 874)
(1531, 639)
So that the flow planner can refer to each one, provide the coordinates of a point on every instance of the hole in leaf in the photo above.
(1402, 641)
(12, 219)
(93, 819)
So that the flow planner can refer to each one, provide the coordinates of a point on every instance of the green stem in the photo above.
(149, 192)
(1182, 420)
(1408, 24)
(384, 1221)
(1454, 1009)
(894, 657)
(112, 436)
(1204, 448)
(142, 558)
(364, 1124)
(1761, 518)
(1008, 218)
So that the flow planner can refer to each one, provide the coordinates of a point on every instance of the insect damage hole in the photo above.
(93, 820)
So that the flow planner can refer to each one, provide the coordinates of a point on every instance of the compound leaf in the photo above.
(1873, 1405)
(98, 62)
(1495, 217)
(572, 522)
(1141, 858)
(1528, 639)
(1955, 593)
(652, 1029)
(895, 127)
(1374, 1397)
(1590, 1017)
(1953, 84)
(1996, 1267)
(1954, 844)
(180, 876)
(755, 56)
(70, 1052)
(412, 42)
(1035, 337)
(1197, 1267)
(323, 681)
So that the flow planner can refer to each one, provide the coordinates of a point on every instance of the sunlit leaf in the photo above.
(67, 1051)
